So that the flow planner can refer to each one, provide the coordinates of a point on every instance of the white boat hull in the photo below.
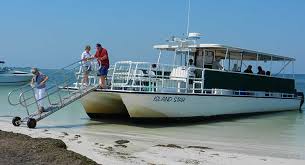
(154, 105)
(167, 105)
(14, 79)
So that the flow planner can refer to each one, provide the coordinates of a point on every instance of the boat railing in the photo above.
(145, 76)
(150, 77)
(92, 75)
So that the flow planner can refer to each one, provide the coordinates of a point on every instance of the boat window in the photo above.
(166, 57)
(235, 66)
(198, 59)
(209, 58)
(263, 63)
(233, 62)
(182, 57)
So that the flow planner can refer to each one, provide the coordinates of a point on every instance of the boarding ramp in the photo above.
(64, 87)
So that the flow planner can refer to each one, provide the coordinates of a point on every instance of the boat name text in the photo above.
(169, 99)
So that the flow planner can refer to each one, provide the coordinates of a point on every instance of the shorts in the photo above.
(103, 71)
(86, 69)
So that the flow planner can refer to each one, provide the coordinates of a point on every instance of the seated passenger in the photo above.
(191, 69)
(235, 68)
(268, 73)
(249, 69)
(152, 70)
(260, 70)
(216, 64)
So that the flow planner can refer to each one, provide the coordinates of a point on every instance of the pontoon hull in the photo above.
(104, 105)
(152, 105)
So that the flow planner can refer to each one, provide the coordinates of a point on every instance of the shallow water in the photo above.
(276, 134)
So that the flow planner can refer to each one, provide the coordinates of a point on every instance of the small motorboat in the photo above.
(9, 76)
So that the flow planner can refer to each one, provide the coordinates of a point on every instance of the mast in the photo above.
(188, 18)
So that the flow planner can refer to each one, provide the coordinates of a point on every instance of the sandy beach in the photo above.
(118, 149)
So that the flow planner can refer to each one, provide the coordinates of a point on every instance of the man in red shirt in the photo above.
(102, 57)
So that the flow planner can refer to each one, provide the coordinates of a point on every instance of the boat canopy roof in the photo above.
(221, 51)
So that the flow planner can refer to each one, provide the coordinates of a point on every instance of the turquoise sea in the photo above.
(277, 134)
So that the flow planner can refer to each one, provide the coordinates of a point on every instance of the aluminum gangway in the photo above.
(60, 92)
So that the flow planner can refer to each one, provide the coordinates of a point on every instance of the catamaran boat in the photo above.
(9, 76)
(189, 86)
(203, 80)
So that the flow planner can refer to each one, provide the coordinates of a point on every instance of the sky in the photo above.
(52, 34)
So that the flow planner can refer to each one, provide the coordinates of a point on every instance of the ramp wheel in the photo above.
(31, 123)
(16, 121)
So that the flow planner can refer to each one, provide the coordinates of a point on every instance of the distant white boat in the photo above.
(9, 76)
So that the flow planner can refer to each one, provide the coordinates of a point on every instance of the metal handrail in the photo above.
(21, 96)
(49, 88)
(13, 91)
(62, 80)
(47, 95)
(22, 99)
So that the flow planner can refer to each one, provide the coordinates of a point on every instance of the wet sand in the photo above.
(115, 149)
(22, 149)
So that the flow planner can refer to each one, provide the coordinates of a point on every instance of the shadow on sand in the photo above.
(69, 125)
(174, 122)
(169, 122)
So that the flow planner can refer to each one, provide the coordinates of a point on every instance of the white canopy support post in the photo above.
(271, 61)
(241, 61)
(227, 51)
(174, 63)
(187, 65)
(185, 56)
(284, 68)
(229, 61)
(204, 55)
(181, 58)
(158, 62)
(257, 55)
(292, 69)
(188, 58)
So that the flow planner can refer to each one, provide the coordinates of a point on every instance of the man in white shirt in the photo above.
(86, 65)
(191, 69)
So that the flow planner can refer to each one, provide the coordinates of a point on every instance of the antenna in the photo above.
(188, 18)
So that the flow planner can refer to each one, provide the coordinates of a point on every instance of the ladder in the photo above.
(60, 91)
